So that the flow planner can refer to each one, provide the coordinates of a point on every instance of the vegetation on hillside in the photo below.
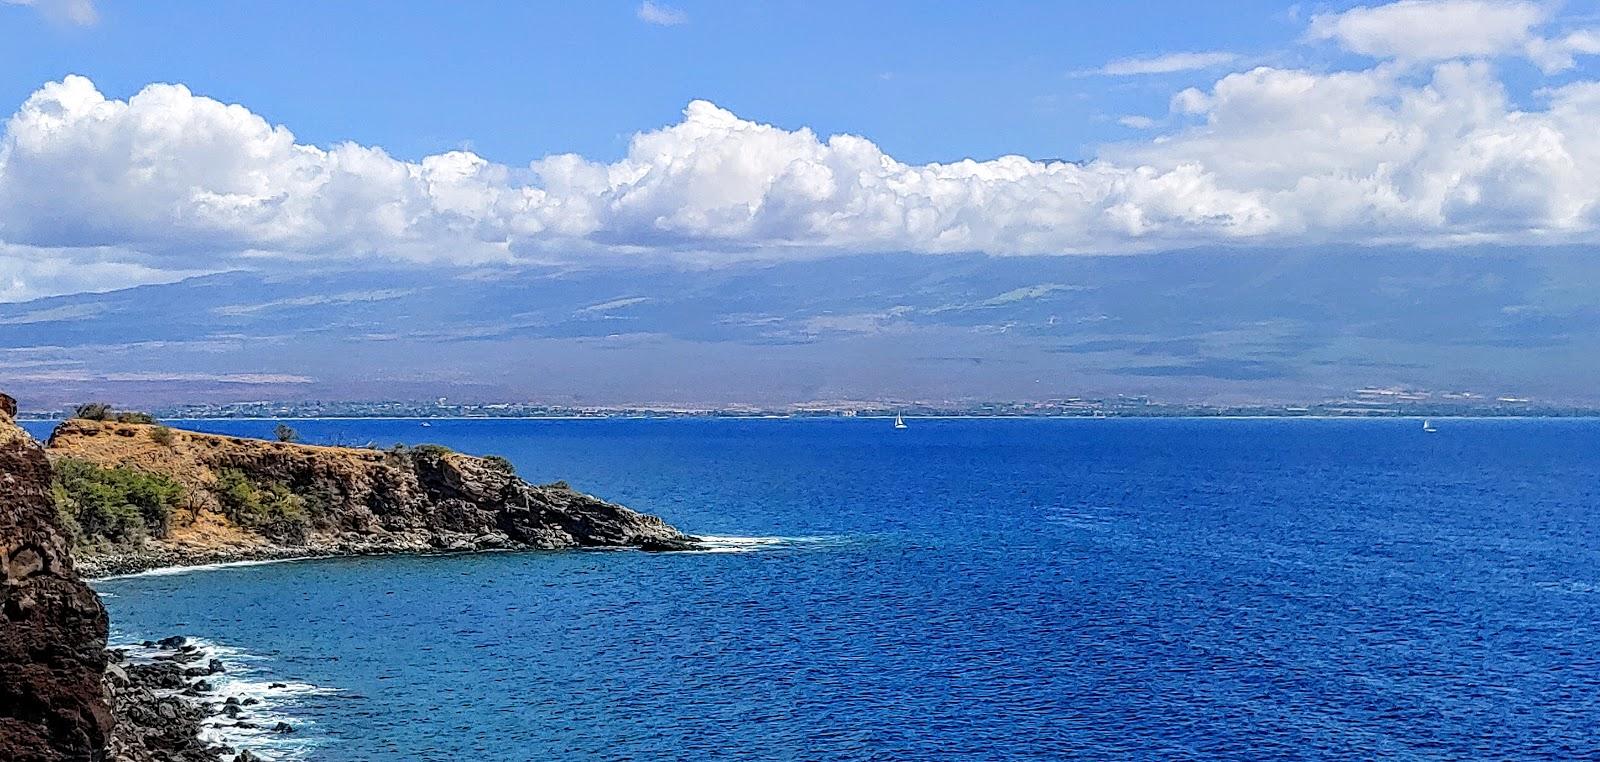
(104, 507)
(112, 506)
(100, 411)
(430, 451)
(118, 506)
(270, 508)
(500, 464)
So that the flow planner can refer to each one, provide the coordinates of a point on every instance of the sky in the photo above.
(153, 142)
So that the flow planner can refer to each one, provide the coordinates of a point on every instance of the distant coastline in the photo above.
(1366, 402)
(1171, 413)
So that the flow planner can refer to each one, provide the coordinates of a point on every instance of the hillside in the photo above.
(144, 495)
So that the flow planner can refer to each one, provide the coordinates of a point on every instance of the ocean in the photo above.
(958, 590)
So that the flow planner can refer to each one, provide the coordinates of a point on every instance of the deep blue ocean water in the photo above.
(962, 589)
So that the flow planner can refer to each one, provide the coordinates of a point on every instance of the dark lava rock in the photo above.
(669, 544)
(156, 675)
(215, 667)
(63, 695)
(52, 626)
(154, 724)
(283, 727)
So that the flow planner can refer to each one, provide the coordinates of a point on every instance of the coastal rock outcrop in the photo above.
(52, 626)
(246, 499)
(161, 710)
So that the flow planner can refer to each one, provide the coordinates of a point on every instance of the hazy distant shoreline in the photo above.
(1581, 414)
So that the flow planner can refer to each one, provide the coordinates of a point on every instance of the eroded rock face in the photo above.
(52, 626)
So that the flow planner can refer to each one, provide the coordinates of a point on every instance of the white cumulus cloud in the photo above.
(1435, 30)
(189, 181)
(95, 189)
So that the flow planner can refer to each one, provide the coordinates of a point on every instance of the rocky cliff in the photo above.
(252, 499)
(52, 626)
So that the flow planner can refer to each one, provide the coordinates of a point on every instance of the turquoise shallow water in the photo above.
(963, 589)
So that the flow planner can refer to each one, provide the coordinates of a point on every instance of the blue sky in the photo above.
(941, 200)
(516, 81)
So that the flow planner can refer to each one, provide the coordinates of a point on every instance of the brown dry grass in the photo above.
(188, 458)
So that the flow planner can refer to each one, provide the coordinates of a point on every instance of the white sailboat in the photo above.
(899, 422)
(1427, 426)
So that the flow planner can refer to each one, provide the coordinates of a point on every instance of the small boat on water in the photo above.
(427, 425)
(1428, 427)
(899, 422)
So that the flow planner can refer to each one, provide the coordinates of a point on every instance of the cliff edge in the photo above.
(229, 498)
(52, 626)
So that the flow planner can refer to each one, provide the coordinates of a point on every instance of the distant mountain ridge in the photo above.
(1212, 325)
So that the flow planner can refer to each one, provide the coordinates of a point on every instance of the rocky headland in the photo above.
(247, 499)
(118, 496)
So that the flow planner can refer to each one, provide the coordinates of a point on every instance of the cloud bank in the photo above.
(1426, 150)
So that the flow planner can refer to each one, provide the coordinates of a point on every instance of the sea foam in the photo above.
(276, 700)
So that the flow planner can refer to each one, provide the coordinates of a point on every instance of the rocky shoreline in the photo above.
(120, 495)
(123, 562)
(164, 701)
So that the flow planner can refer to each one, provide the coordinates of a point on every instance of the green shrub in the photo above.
(162, 436)
(500, 464)
(100, 411)
(112, 505)
(285, 433)
(92, 411)
(430, 451)
(270, 507)
(66, 513)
